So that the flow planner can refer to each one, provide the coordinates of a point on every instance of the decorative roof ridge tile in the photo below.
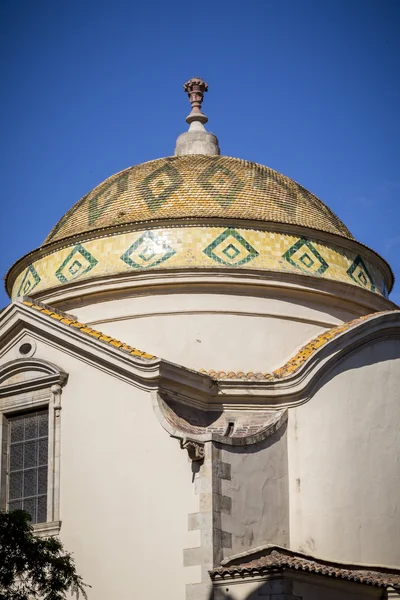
(71, 321)
(270, 558)
(296, 361)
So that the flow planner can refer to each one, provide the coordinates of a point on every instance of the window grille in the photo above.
(28, 463)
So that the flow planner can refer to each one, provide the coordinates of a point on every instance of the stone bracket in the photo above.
(195, 449)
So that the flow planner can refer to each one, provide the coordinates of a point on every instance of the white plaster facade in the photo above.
(204, 321)
(348, 511)
(324, 481)
(267, 411)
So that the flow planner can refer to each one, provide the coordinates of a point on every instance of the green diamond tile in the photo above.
(236, 250)
(149, 247)
(304, 256)
(157, 187)
(307, 260)
(360, 274)
(106, 195)
(231, 251)
(29, 281)
(77, 263)
(221, 183)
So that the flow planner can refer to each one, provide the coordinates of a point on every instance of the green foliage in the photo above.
(32, 567)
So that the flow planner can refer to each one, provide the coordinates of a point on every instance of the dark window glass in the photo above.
(27, 480)
(17, 430)
(15, 487)
(41, 509)
(17, 457)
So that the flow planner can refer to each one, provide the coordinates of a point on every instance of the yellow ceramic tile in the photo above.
(197, 247)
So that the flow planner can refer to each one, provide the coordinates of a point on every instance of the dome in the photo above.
(197, 211)
(196, 187)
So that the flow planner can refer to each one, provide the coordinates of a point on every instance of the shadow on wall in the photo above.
(369, 354)
(274, 589)
(279, 587)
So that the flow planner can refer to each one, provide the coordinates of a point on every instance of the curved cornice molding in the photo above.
(293, 383)
(81, 293)
(63, 331)
(298, 379)
(239, 429)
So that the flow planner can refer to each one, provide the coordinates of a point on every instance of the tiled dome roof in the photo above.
(197, 186)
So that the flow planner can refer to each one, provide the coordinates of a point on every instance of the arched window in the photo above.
(30, 405)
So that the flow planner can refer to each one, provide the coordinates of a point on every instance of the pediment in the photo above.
(29, 373)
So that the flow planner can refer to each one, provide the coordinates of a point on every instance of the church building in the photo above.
(200, 387)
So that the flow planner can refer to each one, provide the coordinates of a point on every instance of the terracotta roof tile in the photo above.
(294, 363)
(271, 558)
(291, 366)
(68, 320)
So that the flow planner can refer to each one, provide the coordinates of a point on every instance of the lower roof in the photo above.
(270, 559)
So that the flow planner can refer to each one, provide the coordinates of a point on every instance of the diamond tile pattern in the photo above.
(306, 257)
(106, 195)
(77, 263)
(221, 183)
(230, 248)
(195, 246)
(197, 186)
(157, 187)
(148, 251)
(29, 281)
(360, 274)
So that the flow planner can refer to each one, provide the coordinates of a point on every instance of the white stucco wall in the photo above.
(259, 495)
(126, 487)
(329, 485)
(215, 331)
(344, 461)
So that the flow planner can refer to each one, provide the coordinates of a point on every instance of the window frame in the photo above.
(27, 385)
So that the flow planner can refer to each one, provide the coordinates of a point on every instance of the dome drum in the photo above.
(198, 247)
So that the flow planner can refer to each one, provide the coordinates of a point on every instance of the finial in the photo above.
(197, 140)
(195, 89)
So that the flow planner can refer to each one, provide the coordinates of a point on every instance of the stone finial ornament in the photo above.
(197, 140)
(195, 89)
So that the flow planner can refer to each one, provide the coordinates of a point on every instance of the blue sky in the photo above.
(309, 88)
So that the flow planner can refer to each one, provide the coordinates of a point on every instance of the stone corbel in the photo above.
(195, 449)
(56, 397)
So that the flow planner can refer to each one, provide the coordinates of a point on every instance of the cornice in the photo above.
(102, 289)
(48, 374)
(269, 422)
(300, 384)
(106, 357)
(294, 383)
